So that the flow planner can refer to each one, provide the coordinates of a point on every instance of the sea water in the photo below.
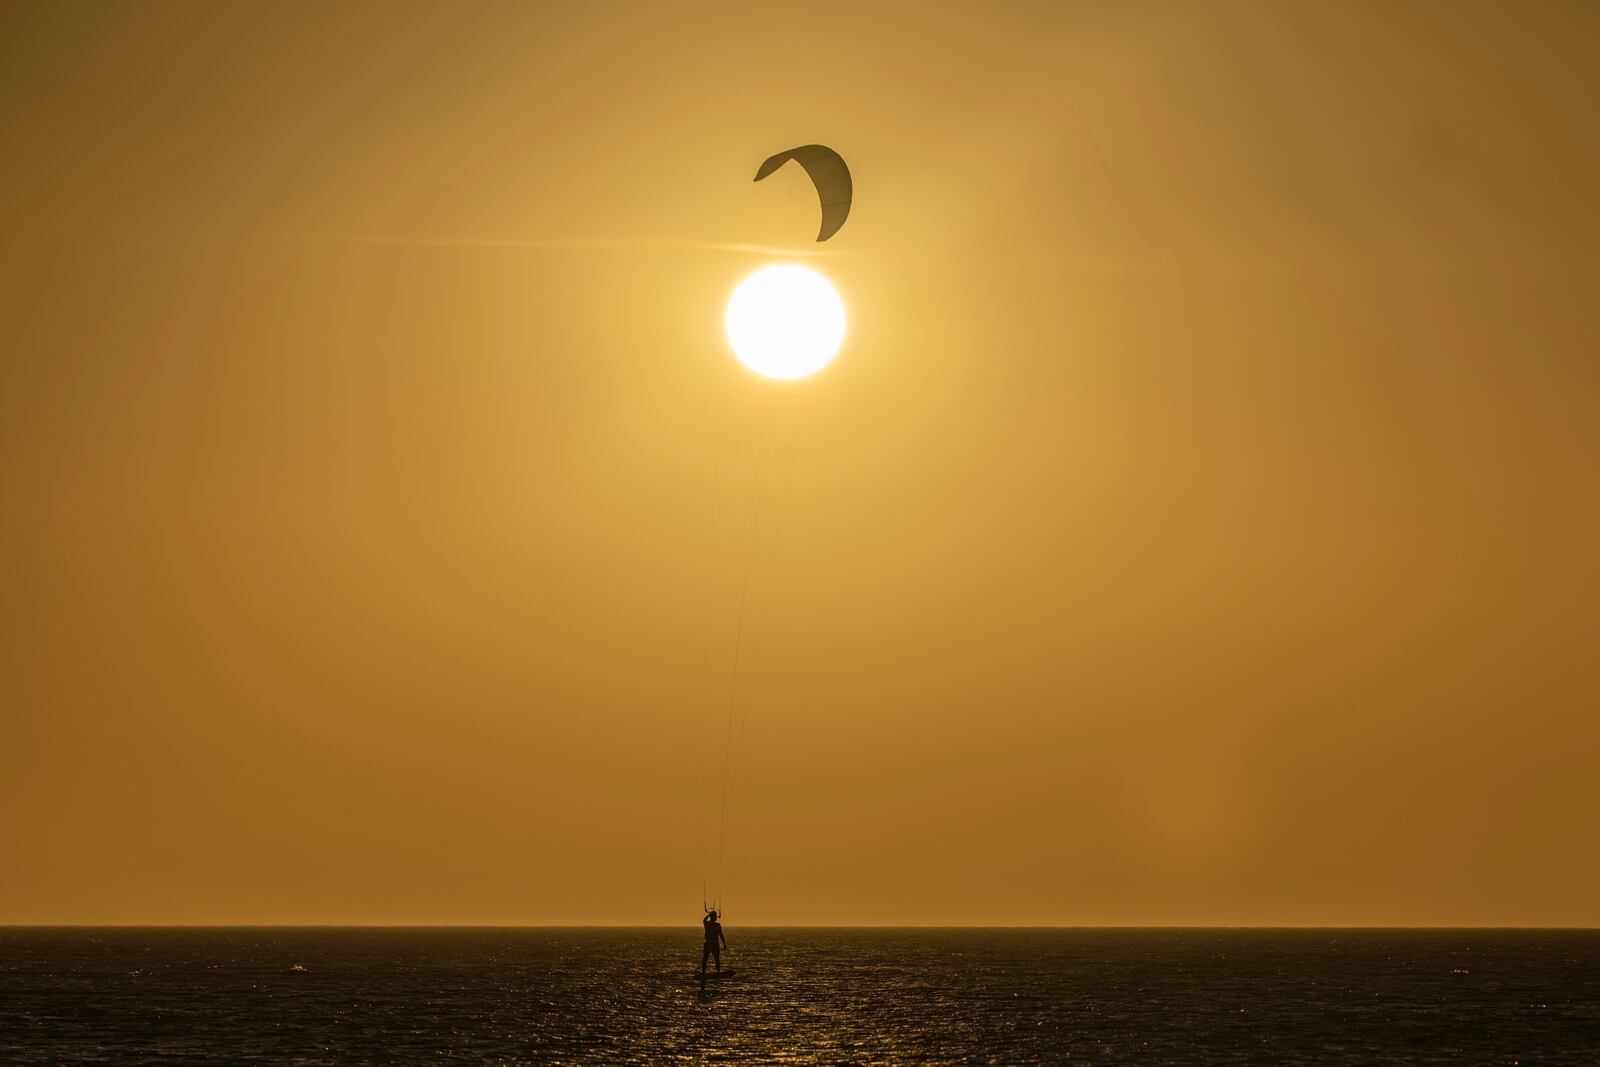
(1077, 996)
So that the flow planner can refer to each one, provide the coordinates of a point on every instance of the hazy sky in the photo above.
(1198, 525)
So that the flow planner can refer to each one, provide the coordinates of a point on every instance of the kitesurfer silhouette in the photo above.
(716, 941)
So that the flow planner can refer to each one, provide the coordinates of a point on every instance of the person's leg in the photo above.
(716, 953)
(704, 952)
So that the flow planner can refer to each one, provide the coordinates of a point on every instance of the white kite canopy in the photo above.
(830, 176)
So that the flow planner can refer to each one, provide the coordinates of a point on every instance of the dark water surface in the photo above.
(237, 995)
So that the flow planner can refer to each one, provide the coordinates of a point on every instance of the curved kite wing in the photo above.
(830, 176)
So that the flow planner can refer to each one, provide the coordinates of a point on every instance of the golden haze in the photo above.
(1197, 526)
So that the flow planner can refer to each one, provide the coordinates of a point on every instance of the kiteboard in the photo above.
(726, 972)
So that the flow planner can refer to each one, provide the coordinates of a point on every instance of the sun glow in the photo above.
(785, 321)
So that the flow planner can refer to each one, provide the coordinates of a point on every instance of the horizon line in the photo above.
(770, 926)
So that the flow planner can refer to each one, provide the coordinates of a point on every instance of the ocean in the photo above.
(798, 996)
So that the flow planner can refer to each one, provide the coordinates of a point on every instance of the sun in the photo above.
(785, 321)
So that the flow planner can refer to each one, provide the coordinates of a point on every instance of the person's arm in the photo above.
(723, 936)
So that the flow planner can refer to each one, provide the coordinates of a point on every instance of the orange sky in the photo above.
(1198, 524)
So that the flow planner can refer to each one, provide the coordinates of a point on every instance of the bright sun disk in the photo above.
(785, 321)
